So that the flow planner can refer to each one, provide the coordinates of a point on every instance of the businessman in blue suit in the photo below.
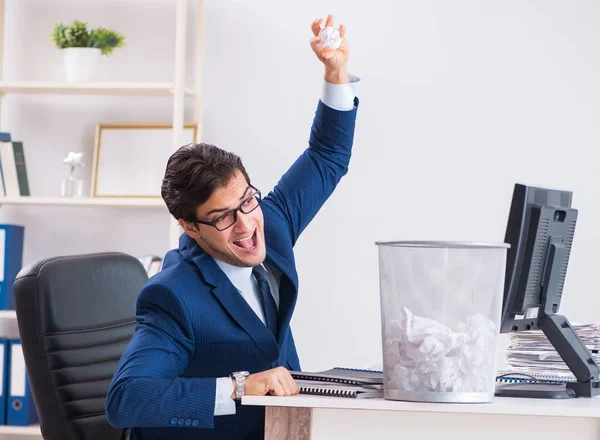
(214, 324)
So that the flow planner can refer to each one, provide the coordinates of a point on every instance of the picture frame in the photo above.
(130, 158)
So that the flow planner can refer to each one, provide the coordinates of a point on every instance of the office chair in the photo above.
(76, 315)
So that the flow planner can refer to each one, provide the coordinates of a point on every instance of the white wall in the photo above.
(460, 100)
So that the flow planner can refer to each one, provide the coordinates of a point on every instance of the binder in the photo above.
(21, 408)
(4, 344)
(11, 262)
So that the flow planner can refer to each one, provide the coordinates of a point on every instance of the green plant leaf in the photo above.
(106, 39)
(77, 35)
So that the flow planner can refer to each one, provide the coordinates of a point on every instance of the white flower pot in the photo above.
(81, 63)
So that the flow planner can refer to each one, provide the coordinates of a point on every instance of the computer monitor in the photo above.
(540, 230)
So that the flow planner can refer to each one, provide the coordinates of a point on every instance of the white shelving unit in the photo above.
(96, 88)
(132, 202)
(31, 430)
(176, 89)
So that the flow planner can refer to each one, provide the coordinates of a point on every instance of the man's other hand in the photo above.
(335, 60)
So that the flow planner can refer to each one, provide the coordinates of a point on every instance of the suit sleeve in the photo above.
(306, 186)
(146, 389)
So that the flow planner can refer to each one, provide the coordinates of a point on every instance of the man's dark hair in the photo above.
(193, 172)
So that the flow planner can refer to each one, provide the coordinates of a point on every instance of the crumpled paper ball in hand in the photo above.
(330, 37)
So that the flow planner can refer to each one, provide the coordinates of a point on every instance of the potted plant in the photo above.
(83, 47)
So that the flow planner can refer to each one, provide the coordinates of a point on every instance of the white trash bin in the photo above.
(440, 317)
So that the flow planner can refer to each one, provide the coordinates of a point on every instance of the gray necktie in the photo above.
(268, 302)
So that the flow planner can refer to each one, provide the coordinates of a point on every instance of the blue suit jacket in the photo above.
(193, 326)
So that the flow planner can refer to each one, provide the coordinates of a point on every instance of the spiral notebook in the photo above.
(522, 377)
(341, 382)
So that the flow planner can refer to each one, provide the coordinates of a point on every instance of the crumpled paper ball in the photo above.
(421, 354)
(330, 37)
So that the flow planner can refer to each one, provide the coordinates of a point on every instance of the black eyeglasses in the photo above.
(228, 219)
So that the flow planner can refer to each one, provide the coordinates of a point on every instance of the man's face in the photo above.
(242, 244)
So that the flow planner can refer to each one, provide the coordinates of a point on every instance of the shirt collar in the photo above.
(238, 276)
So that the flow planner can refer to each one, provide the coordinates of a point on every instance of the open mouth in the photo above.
(247, 243)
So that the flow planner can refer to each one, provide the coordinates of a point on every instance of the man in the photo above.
(213, 325)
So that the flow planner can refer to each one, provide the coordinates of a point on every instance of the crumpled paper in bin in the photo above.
(421, 354)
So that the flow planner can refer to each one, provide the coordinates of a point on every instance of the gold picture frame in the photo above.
(130, 158)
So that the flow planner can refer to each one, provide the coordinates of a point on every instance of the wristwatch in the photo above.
(240, 383)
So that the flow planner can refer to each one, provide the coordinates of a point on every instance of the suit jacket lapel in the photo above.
(243, 314)
(235, 304)
(288, 292)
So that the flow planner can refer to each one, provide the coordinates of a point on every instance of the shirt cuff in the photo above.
(224, 404)
(340, 96)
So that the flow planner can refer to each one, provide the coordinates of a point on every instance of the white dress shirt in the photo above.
(338, 97)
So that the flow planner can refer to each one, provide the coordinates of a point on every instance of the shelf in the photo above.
(10, 314)
(93, 88)
(132, 202)
(21, 430)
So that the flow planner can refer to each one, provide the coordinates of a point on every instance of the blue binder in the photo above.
(4, 363)
(21, 408)
(11, 262)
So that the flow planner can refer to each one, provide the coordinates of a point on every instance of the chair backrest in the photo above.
(76, 315)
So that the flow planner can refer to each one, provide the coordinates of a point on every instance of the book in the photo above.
(4, 137)
(341, 382)
(9, 170)
(21, 168)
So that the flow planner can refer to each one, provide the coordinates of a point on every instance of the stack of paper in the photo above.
(531, 352)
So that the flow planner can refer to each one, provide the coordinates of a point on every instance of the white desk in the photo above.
(326, 418)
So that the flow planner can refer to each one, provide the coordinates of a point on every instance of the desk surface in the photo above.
(580, 407)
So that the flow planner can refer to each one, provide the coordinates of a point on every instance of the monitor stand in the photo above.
(575, 354)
